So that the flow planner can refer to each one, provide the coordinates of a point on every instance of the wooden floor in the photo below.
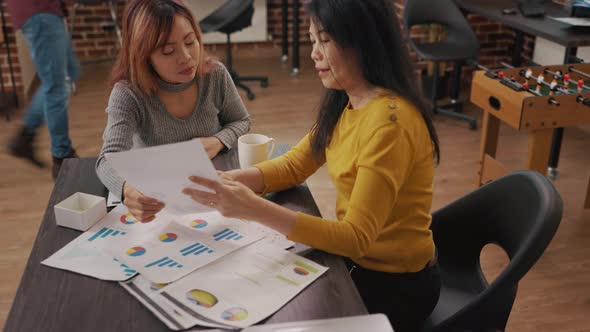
(555, 294)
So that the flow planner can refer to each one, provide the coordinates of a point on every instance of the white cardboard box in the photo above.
(80, 211)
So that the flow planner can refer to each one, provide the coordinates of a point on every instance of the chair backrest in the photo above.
(519, 212)
(232, 16)
(447, 14)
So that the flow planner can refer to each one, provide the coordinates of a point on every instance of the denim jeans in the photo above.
(54, 60)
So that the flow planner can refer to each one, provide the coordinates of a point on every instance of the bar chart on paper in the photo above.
(105, 232)
(227, 234)
(196, 249)
(129, 272)
(164, 263)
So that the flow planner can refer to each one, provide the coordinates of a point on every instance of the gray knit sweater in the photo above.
(136, 120)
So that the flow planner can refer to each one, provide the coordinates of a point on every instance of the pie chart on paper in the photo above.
(199, 223)
(136, 251)
(235, 314)
(201, 298)
(168, 237)
(128, 219)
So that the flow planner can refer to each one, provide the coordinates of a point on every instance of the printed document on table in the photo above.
(164, 250)
(182, 245)
(272, 237)
(237, 291)
(162, 172)
(147, 293)
(88, 255)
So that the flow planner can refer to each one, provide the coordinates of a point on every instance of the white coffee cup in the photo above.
(254, 149)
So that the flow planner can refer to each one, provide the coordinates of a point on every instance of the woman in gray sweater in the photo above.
(166, 90)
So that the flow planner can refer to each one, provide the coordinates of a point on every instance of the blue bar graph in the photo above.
(105, 232)
(196, 249)
(164, 262)
(227, 234)
(222, 232)
(128, 272)
(201, 251)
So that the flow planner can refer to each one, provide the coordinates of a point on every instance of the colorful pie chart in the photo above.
(156, 287)
(199, 223)
(301, 271)
(168, 237)
(235, 314)
(201, 298)
(135, 251)
(128, 219)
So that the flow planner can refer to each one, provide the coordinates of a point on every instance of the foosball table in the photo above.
(535, 100)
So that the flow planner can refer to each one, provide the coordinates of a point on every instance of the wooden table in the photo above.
(49, 299)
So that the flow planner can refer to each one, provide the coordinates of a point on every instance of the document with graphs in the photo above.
(163, 250)
(237, 291)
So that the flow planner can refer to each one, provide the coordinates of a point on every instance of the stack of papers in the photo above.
(237, 291)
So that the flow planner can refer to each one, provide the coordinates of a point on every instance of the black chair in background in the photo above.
(519, 212)
(233, 16)
(460, 46)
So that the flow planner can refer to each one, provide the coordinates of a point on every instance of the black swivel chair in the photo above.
(233, 16)
(520, 212)
(460, 46)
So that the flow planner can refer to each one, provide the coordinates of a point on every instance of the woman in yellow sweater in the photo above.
(379, 144)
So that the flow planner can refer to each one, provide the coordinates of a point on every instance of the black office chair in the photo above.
(460, 46)
(520, 212)
(233, 16)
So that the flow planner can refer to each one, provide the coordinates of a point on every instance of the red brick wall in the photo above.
(4, 67)
(274, 14)
(91, 42)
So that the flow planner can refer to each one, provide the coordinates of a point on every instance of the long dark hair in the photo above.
(372, 30)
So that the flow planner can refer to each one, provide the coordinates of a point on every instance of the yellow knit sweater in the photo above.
(381, 162)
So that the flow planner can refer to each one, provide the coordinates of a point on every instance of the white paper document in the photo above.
(162, 172)
(182, 245)
(88, 254)
(574, 21)
(87, 257)
(163, 250)
(147, 293)
(236, 291)
(271, 236)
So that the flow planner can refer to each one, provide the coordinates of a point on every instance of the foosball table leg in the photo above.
(539, 148)
(489, 142)
(552, 172)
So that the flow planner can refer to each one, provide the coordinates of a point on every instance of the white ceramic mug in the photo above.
(254, 149)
